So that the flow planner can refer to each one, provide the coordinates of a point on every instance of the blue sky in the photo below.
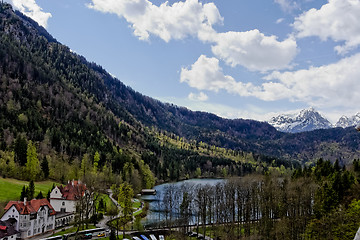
(237, 59)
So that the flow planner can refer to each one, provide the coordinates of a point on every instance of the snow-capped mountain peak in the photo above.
(345, 121)
(306, 120)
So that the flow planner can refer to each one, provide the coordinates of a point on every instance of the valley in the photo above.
(76, 131)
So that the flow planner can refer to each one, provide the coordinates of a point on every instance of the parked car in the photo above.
(101, 234)
(87, 236)
(161, 237)
(152, 236)
(144, 237)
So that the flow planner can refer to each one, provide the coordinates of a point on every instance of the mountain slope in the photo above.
(306, 120)
(69, 105)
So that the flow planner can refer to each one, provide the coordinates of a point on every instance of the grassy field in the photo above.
(10, 189)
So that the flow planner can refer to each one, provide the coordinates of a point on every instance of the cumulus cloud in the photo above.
(177, 21)
(336, 20)
(32, 10)
(254, 50)
(198, 97)
(206, 74)
(327, 86)
(250, 49)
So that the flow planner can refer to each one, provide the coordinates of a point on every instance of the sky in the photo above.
(249, 59)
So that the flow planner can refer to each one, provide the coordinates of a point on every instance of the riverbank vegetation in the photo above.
(321, 202)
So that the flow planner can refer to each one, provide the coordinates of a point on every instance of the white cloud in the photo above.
(198, 97)
(337, 20)
(32, 10)
(333, 85)
(287, 5)
(206, 74)
(254, 50)
(327, 86)
(177, 21)
(280, 20)
(250, 49)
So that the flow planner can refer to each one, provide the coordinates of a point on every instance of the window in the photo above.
(63, 203)
(13, 210)
(29, 232)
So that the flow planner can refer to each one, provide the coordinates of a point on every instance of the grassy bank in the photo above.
(10, 188)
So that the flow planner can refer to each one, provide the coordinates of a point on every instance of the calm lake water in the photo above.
(156, 206)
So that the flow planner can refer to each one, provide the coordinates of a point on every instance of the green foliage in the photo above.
(341, 224)
(20, 150)
(126, 193)
(31, 190)
(334, 184)
(32, 163)
(96, 161)
(45, 168)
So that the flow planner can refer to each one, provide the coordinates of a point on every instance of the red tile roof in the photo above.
(32, 206)
(73, 190)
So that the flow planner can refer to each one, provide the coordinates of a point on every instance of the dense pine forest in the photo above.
(63, 118)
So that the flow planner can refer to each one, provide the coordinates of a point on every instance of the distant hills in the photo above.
(70, 106)
(309, 120)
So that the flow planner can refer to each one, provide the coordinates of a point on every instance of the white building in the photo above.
(63, 199)
(33, 217)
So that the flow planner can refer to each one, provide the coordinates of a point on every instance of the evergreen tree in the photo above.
(20, 150)
(31, 190)
(24, 193)
(45, 167)
(48, 195)
(39, 196)
(32, 164)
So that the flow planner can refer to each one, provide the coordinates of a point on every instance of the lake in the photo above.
(156, 211)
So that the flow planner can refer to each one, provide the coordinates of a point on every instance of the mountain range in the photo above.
(70, 106)
(309, 120)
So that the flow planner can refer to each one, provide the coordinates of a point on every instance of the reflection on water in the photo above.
(157, 211)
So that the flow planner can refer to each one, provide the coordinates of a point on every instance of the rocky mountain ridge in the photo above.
(309, 120)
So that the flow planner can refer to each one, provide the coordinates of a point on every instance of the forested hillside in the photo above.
(71, 109)
(71, 114)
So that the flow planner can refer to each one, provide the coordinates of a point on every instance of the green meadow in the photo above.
(10, 188)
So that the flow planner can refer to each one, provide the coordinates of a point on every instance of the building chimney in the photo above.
(24, 201)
